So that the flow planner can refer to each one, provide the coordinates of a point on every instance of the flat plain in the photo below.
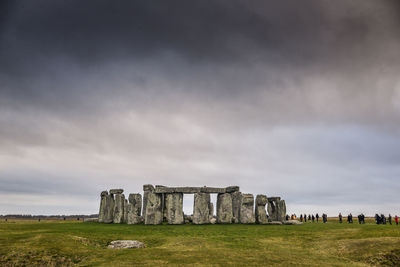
(65, 243)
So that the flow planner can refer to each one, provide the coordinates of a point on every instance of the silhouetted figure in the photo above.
(78, 218)
(317, 217)
(313, 218)
(383, 219)
(305, 217)
(340, 217)
(350, 218)
(309, 218)
(363, 218)
(301, 217)
(324, 217)
(377, 219)
(390, 219)
(396, 219)
(64, 218)
(6, 219)
(287, 217)
(39, 219)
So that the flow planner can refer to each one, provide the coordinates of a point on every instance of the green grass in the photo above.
(52, 243)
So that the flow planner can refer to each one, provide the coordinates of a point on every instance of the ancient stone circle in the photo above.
(163, 203)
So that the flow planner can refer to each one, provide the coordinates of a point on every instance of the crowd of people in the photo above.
(380, 219)
(310, 217)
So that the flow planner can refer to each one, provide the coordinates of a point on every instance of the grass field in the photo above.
(55, 243)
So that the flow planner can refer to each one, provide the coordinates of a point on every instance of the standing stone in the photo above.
(236, 198)
(201, 208)
(102, 211)
(224, 208)
(247, 208)
(147, 188)
(134, 208)
(164, 207)
(119, 208)
(154, 211)
(109, 209)
(276, 209)
(261, 213)
(174, 208)
(125, 220)
(281, 210)
(211, 210)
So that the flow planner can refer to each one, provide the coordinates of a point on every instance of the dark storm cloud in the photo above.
(275, 96)
(284, 32)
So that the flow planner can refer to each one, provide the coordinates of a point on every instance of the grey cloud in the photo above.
(294, 99)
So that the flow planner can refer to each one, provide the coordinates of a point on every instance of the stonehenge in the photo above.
(165, 204)
(247, 209)
(276, 208)
(260, 211)
(224, 208)
(134, 209)
(201, 208)
(174, 208)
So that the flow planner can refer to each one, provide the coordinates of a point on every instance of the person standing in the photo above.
(305, 217)
(340, 217)
(309, 218)
(390, 219)
(396, 219)
(317, 217)
(377, 218)
(301, 217)
(324, 217)
(313, 218)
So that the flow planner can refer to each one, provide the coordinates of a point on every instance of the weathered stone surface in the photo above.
(276, 209)
(231, 189)
(103, 200)
(260, 211)
(125, 218)
(212, 190)
(134, 209)
(192, 190)
(188, 218)
(116, 191)
(211, 209)
(119, 208)
(174, 208)
(236, 198)
(201, 208)
(147, 188)
(109, 209)
(120, 244)
(224, 208)
(154, 213)
(282, 210)
(213, 220)
(247, 208)
(164, 207)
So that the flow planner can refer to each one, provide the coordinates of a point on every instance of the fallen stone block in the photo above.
(121, 244)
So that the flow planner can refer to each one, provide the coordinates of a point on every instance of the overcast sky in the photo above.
(298, 99)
